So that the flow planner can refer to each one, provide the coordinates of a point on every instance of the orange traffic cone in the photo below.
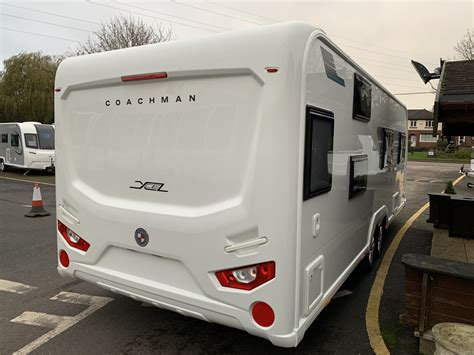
(37, 209)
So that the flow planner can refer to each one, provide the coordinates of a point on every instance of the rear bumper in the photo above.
(181, 301)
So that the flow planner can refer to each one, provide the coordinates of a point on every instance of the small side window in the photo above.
(31, 141)
(318, 152)
(359, 170)
(396, 148)
(386, 149)
(15, 140)
(362, 105)
(4, 137)
(402, 148)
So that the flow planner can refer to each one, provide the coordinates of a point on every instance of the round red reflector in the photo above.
(63, 258)
(263, 314)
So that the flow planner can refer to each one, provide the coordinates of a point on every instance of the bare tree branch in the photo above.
(123, 32)
(465, 47)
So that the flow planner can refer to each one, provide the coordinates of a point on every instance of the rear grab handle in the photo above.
(248, 244)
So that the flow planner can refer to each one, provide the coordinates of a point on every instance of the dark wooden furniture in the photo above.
(461, 221)
(439, 210)
(436, 291)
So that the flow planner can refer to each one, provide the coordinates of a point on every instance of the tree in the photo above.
(465, 47)
(27, 88)
(123, 32)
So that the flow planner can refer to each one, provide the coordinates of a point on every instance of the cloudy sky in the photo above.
(380, 35)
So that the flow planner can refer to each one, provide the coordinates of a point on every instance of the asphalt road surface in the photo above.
(33, 297)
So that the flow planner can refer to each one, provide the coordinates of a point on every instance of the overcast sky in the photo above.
(380, 35)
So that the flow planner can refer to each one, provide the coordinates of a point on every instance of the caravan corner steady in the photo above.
(248, 205)
(26, 145)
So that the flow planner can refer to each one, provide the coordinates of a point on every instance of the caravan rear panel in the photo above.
(180, 173)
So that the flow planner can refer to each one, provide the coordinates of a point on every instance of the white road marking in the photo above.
(29, 206)
(59, 323)
(30, 181)
(15, 287)
(40, 319)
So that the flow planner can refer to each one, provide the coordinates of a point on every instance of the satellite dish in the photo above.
(424, 74)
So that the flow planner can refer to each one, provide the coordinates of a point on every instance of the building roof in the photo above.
(454, 103)
(458, 78)
(420, 114)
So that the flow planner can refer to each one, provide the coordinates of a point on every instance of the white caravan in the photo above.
(238, 178)
(26, 145)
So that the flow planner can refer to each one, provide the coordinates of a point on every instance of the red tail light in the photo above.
(64, 258)
(247, 277)
(138, 77)
(263, 314)
(72, 238)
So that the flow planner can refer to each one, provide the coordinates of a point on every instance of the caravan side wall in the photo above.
(335, 227)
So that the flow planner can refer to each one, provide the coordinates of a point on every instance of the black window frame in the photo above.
(396, 147)
(384, 149)
(402, 147)
(359, 80)
(312, 113)
(17, 136)
(26, 140)
(353, 159)
(4, 138)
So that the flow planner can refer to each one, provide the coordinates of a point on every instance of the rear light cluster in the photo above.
(72, 238)
(247, 277)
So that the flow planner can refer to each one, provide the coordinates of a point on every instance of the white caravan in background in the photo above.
(26, 145)
(238, 178)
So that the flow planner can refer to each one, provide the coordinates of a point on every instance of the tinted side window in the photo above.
(402, 148)
(31, 140)
(4, 137)
(15, 140)
(362, 105)
(359, 170)
(396, 148)
(318, 152)
(386, 151)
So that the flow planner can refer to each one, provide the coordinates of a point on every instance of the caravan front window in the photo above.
(31, 140)
(318, 152)
(45, 136)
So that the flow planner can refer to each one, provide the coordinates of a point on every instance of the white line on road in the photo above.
(30, 181)
(94, 302)
(40, 319)
(15, 287)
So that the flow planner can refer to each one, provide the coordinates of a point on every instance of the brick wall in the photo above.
(419, 143)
